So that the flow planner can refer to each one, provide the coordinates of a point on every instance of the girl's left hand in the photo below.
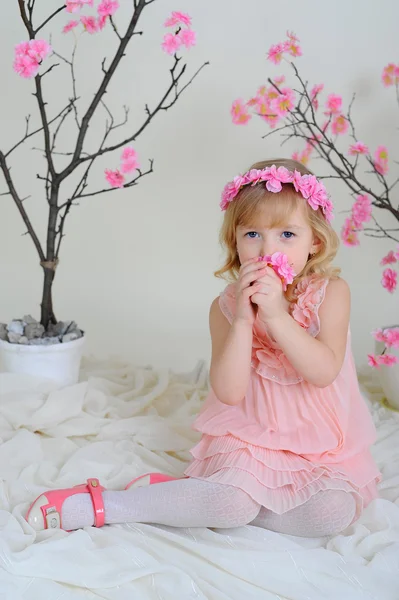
(269, 297)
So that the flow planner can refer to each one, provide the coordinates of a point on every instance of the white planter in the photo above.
(389, 376)
(59, 362)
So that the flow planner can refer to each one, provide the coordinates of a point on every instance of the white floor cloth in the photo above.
(121, 422)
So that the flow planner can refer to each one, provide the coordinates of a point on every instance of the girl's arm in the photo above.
(231, 356)
(318, 360)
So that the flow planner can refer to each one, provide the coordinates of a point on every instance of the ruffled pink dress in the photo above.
(288, 439)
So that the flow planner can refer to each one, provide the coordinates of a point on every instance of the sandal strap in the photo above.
(95, 490)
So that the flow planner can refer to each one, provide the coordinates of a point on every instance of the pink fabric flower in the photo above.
(101, 22)
(390, 258)
(275, 53)
(372, 360)
(361, 210)
(279, 80)
(239, 112)
(26, 66)
(178, 18)
(379, 335)
(28, 57)
(334, 104)
(187, 37)
(349, 234)
(381, 160)
(284, 102)
(39, 49)
(292, 47)
(358, 148)
(129, 160)
(69, 26)
(339, 125)
(389, 280)
(171, 43)
(107, 8)
(114, 178)
(275, 177)
(90, 24)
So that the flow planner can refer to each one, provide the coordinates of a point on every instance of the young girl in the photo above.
(285, 431)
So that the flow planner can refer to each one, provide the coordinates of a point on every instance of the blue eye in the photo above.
(251, 234)
(288, 235)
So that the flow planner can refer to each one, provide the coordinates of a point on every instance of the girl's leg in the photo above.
(180, 503)
(326, 513)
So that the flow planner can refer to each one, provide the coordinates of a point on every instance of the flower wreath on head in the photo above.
(308, 186)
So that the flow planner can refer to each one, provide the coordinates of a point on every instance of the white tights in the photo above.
(196, 503)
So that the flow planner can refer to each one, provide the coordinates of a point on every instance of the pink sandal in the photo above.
(45, 511)
(149, 479)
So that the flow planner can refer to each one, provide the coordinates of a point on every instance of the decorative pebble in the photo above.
(16, 326)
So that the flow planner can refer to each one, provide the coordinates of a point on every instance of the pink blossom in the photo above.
(73, 6)
(239, 112)
(90, 24)
(26, 66)
(178, 18)
(39, 49)
(373, 360)
(361, 210)
(390, 258)
(128, 152)
(171, 43)
(279, 80)
(292, 47)
(339, 125)
(387, 359)
(389, 280)
(381, 160)
(279, 263)
(275, 53)
(314, 93)
(70, 25)
(284, 102)
(358, 148)
(187, 37)
(392, 337)
(107, 8)
(114, 178)
(291, 36)
(379, 335)
(101, 22)
(390, 75)
(349, 233)
(334, 104)
(129, 160)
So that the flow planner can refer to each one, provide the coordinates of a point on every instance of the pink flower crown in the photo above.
(307, 185)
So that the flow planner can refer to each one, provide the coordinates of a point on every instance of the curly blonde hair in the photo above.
(245, 208)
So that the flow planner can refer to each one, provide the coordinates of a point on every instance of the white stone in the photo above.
(16, 326)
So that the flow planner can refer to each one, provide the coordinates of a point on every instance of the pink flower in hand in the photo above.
(114, 178)
(239, 112)
(187, 37)
(358, 148)
(390, 258)
(280, 265)
(389, 280)
(178, 18)
(107, 8)
(334, 104)
(275, 53)
(171, 43)
(90, 24)
(69, 26)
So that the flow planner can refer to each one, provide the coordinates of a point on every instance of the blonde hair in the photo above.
(245, 208)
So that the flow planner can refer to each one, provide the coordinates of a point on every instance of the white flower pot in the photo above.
(389, 376)
(59, 362)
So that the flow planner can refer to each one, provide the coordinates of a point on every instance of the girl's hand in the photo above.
(246, 288)
(269, 296)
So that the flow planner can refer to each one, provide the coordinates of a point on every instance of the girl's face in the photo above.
(294, 238)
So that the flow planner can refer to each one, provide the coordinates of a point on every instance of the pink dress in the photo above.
(288, 439)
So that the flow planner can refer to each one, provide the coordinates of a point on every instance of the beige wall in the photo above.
(136, 267)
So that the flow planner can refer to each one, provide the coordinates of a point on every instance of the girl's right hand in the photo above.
(250, 272)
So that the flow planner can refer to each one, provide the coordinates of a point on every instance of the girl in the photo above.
(286, 434)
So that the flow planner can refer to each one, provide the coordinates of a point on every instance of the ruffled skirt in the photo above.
(278, 479)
